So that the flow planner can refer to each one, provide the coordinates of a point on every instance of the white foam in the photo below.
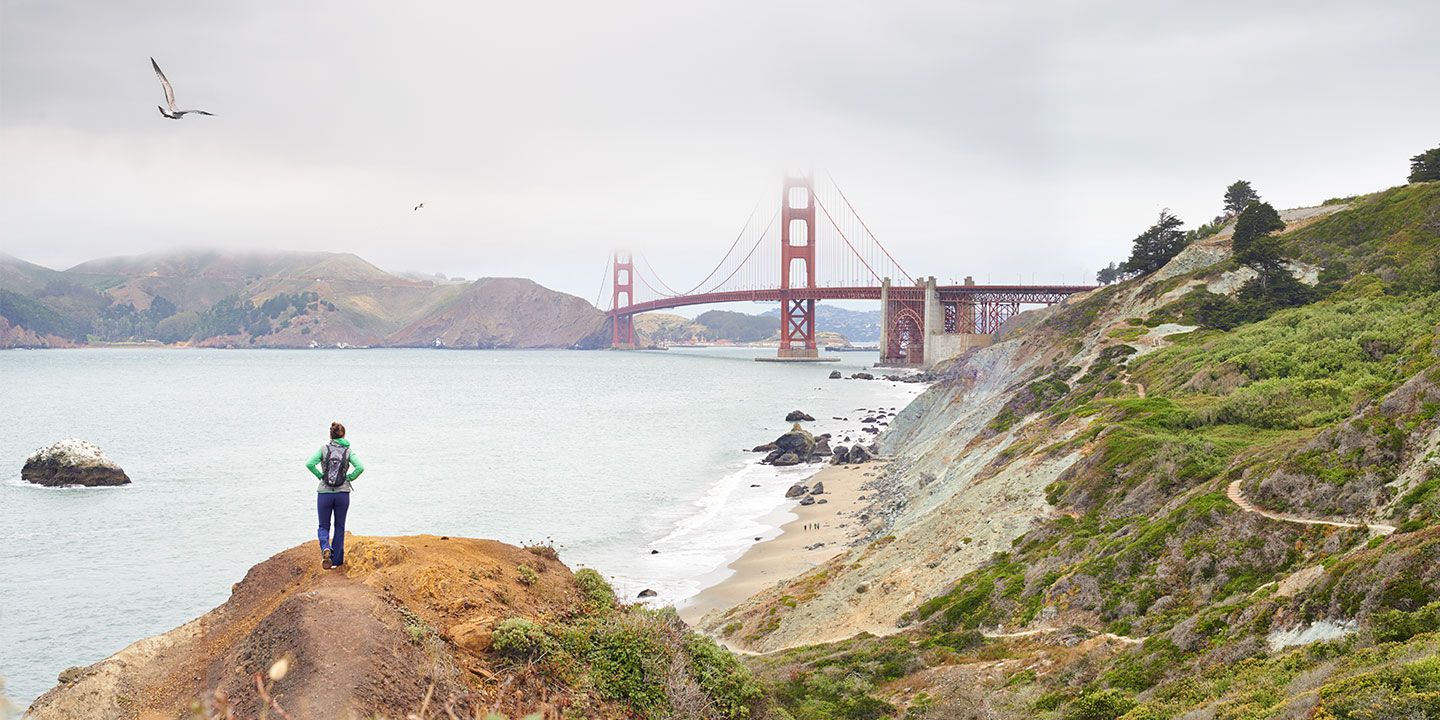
(724, 522)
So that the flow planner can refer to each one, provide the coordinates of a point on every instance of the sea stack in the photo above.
(72, 462)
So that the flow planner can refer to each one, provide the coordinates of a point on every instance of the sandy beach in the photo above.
(818, 533)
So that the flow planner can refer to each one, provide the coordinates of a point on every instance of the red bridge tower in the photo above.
(797, 244)
(622, 329)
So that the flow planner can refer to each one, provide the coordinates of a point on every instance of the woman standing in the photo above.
(335, 466)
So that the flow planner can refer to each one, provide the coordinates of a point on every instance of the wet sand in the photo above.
(832, 524)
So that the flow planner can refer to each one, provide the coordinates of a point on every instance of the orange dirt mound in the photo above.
(406, 617)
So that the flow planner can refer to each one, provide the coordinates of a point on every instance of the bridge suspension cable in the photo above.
(876, 240)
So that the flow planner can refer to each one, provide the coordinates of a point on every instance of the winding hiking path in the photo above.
(1043, 630)
(1237, 496)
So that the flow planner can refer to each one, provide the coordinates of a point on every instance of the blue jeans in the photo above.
(337, 504)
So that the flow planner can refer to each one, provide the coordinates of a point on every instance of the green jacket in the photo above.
(356, 467)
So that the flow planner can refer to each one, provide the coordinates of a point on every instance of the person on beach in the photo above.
(335, 466)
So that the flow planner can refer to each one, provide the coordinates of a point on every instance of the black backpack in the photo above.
(334, 461)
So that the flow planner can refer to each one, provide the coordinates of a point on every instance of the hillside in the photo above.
(510, 313)
(1113, 512)
(728, 326)
(414, 626)
(292, 299)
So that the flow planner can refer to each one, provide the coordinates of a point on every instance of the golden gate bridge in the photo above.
(826, 252)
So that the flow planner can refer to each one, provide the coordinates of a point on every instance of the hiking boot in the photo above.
(325, 559)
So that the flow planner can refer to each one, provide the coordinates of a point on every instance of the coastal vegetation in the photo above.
(1148, 591)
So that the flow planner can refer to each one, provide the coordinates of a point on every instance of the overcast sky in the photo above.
(1001, 140)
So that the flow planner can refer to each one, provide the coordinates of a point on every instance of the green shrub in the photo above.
(1099, 705)
(522, 639)
(599, 596)
(627, 660)
(527, 574)
(733, 691)
(1408, 691)
(1398, 625)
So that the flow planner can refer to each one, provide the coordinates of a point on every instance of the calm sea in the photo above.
(608, 455)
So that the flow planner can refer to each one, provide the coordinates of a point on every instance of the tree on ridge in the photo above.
(1156, 246)
(1425, 167)
(1239, 196)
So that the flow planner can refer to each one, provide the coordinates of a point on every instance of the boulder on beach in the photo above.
(819, 489)
(822, 447)
(72, 462)
(842, 455)
(859, 454)
(788, 459)
(807, 500)
(798, 416)
(835, 375)
(796, 490)
(798, 441)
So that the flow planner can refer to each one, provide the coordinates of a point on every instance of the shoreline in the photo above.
(814, 535)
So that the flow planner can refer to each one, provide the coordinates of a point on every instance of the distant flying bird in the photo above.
(417, 207)
(175, 113)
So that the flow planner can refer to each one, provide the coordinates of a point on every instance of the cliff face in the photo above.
(413, 627)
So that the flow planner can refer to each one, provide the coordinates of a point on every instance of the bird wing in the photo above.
(169, 91)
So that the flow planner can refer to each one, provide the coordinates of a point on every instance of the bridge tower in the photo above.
(622, 327)
(797, 244)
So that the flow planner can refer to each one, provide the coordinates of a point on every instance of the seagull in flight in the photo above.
(175, 113)
(417, 207)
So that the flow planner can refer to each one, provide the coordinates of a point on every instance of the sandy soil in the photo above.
(831, 526)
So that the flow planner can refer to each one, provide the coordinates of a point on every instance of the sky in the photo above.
(1025, 141)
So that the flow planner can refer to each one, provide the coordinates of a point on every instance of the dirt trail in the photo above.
(1044, 630)
(1237, 496)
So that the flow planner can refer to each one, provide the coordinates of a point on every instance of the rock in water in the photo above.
(788, 459)
(797, 441)
(646, 593)
(72, 462)
(835, 375)
(798, 416)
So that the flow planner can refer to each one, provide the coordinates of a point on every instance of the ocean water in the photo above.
(607, 455)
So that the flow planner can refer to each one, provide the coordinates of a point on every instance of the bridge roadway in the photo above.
(1019, 294)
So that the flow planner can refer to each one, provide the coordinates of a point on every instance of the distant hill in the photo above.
(509, 313)
(833, 325)
(285, 299)
(859, 326)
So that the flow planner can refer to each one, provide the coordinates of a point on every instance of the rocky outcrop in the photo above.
(408, 622)
(72, 462)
